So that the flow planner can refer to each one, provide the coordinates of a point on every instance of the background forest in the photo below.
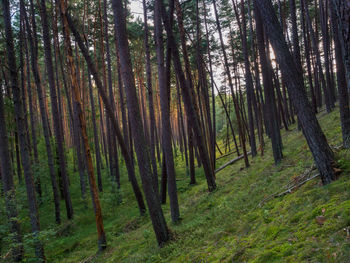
(174, 131)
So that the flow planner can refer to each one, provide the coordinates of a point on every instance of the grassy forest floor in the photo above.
(227, 225)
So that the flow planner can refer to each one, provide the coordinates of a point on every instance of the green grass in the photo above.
(227, 225)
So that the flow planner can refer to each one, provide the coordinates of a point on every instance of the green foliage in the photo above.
(224, 226)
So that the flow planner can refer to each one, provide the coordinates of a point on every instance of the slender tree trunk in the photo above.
(308, 57)
(248, 75)
(102, 243)
(182, 125)
(318, 59)
(204, 91)
(110, 89)
(150, 96)
(18, 107)
(326, 55)
(234, 98)
(45, 124)
(211, 84)
(165, 117)
(56, 117)
(96, 142)
(31, 107)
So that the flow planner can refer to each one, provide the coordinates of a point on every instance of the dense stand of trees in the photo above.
(91, 79)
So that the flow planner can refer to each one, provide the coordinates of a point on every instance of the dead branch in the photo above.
(231, 162)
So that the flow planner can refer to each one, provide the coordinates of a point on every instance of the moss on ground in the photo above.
(227, 225)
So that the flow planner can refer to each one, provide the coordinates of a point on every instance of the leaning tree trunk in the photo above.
(46, 128)
(318, 58)
(165, 117)
(188, 99)
(316, 140)
(211, 84)
(248, 74)
(343, 93)
(342, 10)
(102, 243)
(234, 98)
(56, 117)
(142, 151)
(270, 106)
(110, 112)
(115, 158)
(150, 96)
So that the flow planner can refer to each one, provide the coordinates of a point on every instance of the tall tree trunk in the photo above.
(191, 112)
(248, 75)
(18, 107)
(150, 96)
(211, 85)
(342, 11)
(341, 81)
(234, 97)
(270, 106)
(318, 58)
(308, 57)
(204, 91)
(165, 117)
(96, 141)
(55, 114)
(142, 151)
(316, 140)
(114, 149)
(326, 55)
(102, 243)
(110, 112)
(31, 39)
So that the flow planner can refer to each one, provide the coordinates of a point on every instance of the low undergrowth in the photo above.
(227, 225)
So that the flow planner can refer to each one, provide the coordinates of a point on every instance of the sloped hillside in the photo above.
(240, 222)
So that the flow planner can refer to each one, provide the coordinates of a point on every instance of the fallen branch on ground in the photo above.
(231, 162)
(227, 154)
(293, 184)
